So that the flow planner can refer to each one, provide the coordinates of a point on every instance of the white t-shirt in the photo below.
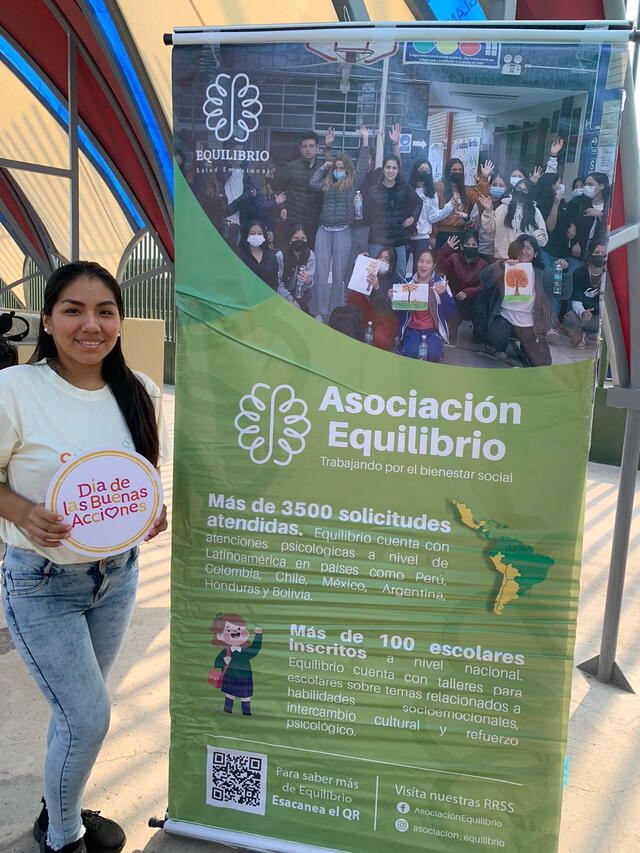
(43, 420)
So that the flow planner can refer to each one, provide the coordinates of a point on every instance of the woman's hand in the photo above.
(485, 201)
(394, 134)
(304, 277)
(296, 304)
(372, 280)
(408, 222)
(461, 296)
(535, 176)
(159, 524)
(557, 145)
(363, 130)
(327, 164)
(487, 168)
(440, 286)
(44, 527)
(280, 198)
(563, 264)
(453, 242)
(591, 211)
(511, 262)
(329, 136)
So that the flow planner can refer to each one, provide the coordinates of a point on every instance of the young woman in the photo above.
(589, 211)
(68, 617)
(514, 216)
(296, 269)
(452, 189)
(460, 262)
(549, 196)
(376, 305)
(422, 181)
(394, 210)
(498, 317)
(258, 202)
(497, 191)
(432, 323)
(582, 319)
(257, 255)
(338, 181)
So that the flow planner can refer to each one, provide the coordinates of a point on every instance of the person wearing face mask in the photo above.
(460, 262)
(514, 216)
(296, 269)
(497, 191)
(533, 177)
(422, 181)
(338, 181)
(394, 209)
(576, 187)
(257, 255)
(376, 305)
(583, 318)
(496, 321)
(589, 211)
(452, 189)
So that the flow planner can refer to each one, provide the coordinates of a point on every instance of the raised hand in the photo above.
(485, 201)
(364, 133)
(280, 198)
(557, 145)
(394, 133)
(487, 168)
(535, 176)
(453, 242)
(329, 136)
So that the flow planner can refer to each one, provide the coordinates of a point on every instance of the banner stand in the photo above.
(373, 596)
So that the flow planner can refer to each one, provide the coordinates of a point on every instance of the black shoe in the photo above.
(74, 847)
(101, 834)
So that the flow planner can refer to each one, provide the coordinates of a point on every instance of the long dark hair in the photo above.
(415, 179)
(290, 260)
(528, 211)
(544, 192)
(131, 396)
(451, 186)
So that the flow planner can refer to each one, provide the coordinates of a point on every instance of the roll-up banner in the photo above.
(383, 404)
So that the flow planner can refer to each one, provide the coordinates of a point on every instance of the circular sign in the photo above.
(469, 48)
(109, 496)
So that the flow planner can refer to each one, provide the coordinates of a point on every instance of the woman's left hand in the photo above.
(591, 211)
(159, 524)
(440, 286)
(408, 222)
(461, 295)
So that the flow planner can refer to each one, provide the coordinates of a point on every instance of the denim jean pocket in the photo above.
(25, 571)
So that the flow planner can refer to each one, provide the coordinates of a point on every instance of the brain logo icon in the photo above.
(232, 107)
(272, 424)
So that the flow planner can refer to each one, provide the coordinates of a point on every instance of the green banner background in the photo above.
(227, 344)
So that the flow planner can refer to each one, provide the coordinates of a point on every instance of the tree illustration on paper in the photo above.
(409, 288)
(516, 279)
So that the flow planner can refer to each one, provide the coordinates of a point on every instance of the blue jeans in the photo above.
(411, 342)
(68, 623)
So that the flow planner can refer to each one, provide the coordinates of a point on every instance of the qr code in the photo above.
(236, 780)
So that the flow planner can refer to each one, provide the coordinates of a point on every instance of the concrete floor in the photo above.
(602, 798)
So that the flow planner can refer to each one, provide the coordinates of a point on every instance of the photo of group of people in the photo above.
(508, 256)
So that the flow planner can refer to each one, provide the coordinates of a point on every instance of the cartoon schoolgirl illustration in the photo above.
(234, 661)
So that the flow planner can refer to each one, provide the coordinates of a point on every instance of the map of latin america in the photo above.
(519, 565)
